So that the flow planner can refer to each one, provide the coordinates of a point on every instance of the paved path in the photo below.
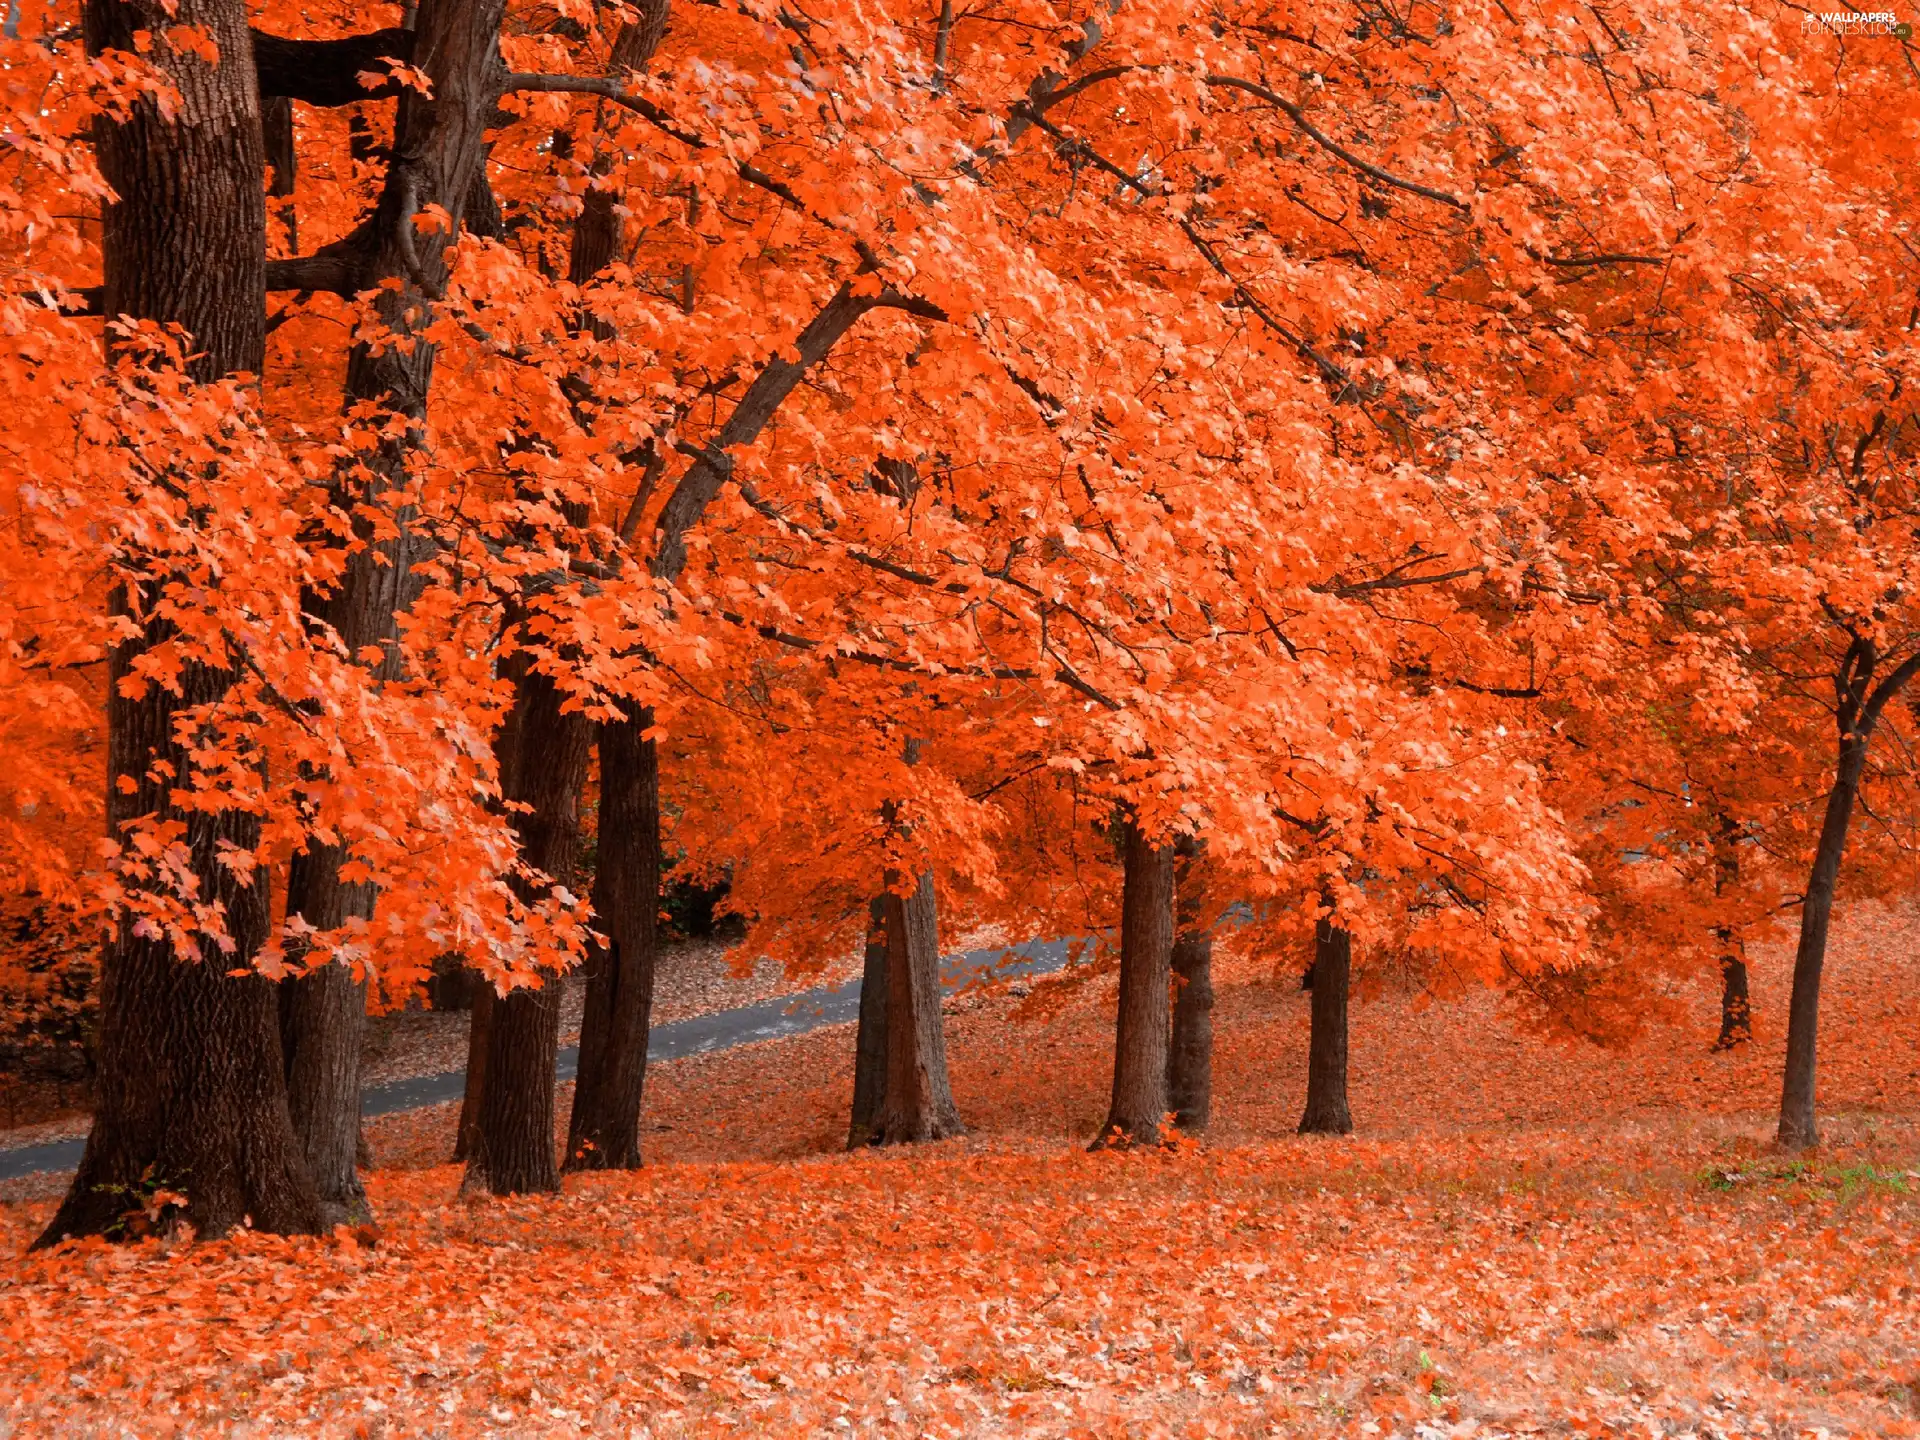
(722, 1030)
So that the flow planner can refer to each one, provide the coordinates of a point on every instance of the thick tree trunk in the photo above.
(543, 761)
(1190, 1058)
(918, 1100)
(870, 1041)
(322, 1021)
(1139, 1104)
(1326, 1112)
(604, 1132)
(1799, 1130)
(190, 1098)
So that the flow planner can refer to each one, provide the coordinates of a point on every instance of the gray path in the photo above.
(722, 1030)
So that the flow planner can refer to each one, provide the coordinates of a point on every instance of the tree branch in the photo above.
(1333, 147)
(607, 87)
(327, 72)
(703, 479)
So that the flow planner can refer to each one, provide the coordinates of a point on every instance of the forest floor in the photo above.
(1525, 1238)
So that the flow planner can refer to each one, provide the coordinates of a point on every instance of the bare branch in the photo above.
(1333, 147)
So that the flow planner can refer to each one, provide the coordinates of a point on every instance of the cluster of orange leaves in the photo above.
(1411, 451)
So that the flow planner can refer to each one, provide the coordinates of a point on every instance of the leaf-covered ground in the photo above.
(1528, 1239)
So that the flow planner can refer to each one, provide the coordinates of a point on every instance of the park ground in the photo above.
(1525, 1238)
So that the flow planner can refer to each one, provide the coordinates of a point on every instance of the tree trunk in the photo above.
(1736, 1010)
(1799, 1129)
(543, 762)
(1736, 1006)
(1326, 1112)
(437, 165)
(870, 1042)
(918, 1099)
(479, 1045)
(604, 1132)
(190, 1097)
(322, 1022)
(1190, 1053)
(1139, 1102)
(451, 985)
(1190, 1059)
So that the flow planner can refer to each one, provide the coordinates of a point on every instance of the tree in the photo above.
(870, 1034)
(1326, 1110)
(190, 1115)
(1139, 1105)
(388, 379)
(1190, 1050)
(604, 1130)
(917, 1102)
(545, 748)
(1866, 682)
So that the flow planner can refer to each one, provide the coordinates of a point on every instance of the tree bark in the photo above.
(322, 1023)
(1799, 1129)
(1190, 1052)
(437, 154)
(870, 1041)
(1327, 1112)
(1139, 1104)
(1736, 1008)
(604, 1132)
(918, 1100)
(1191, 1049)
(190, 1097)
(479, 1046)
(543, 760)
(1736, 1004)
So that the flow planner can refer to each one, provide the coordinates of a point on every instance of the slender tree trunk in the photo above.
(604, 1133)
(1140, 1037)
(870, 1042)
(1190, 1052)
(1736, 1005)
(1736, 1009)
(1799, 1130)
(918, 1099)
(1190, 1059)
(543, 760)
(479, 1046)
(1326, 1112)
(190, 1097)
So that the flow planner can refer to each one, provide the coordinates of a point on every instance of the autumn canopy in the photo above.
(1428, 485)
